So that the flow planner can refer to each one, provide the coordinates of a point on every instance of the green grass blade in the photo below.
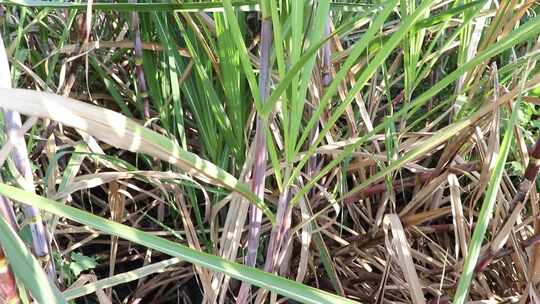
(109, 84)
(485, 212)
(236, 34)
(299, 93)
(356, 51)
(448, 14)
(311, 51)
(488, 205)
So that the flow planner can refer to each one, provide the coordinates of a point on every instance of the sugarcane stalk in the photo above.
(326, 57)
(19, 155)
(138, 57)
(280, 235)
(40, 242)
(259, 166)
(8, 287)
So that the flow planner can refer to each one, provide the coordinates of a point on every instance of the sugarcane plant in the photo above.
(270, 151)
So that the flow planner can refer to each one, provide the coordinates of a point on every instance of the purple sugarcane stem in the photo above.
(259, 167)
(276, 236)
(280, 233)
(326, 58)
(490, 256)
(138, 57)
(8, 287)
(19, 153)
(7, 212)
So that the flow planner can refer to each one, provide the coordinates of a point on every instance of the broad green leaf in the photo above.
(80, 263)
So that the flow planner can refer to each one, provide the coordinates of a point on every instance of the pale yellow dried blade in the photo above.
(460, 227)
(397, 243)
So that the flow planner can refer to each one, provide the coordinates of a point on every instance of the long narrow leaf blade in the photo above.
(287, 288)
(22, 261)
(486, 211)
(122, 132)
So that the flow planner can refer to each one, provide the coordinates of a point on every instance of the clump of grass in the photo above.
(260, 151)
